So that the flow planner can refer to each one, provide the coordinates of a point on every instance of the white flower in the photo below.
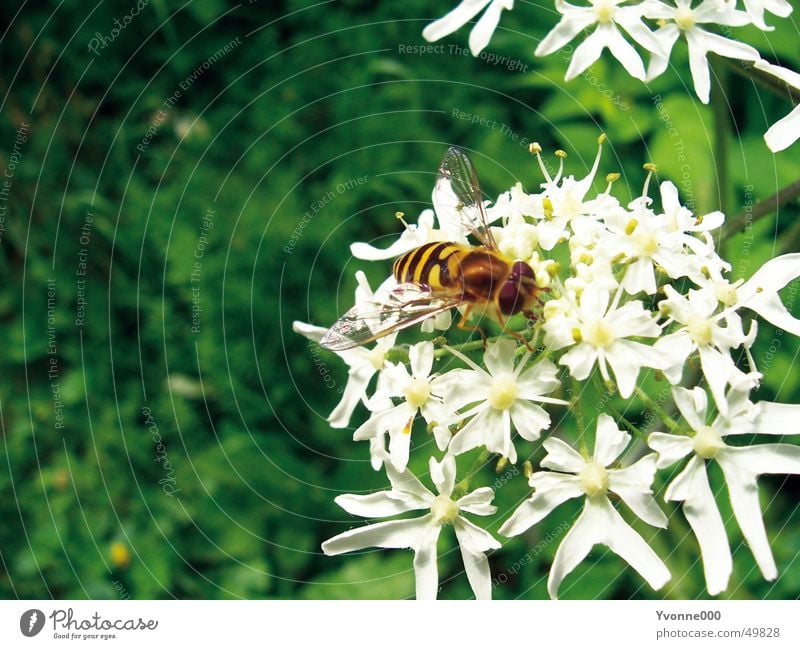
(741, 466)
(785, 132)
(565, 201)
(421, 393)
(574, 476)
(481, 34)
(421, 534)
(756, 8)
(608, 16)
(363, 362)
(502, 394)
(685, 21)
(702, 332)
(598, 332)
(649, 240)
(760, 292)
(412, 237)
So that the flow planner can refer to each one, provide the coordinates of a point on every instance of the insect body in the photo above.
(438, 276)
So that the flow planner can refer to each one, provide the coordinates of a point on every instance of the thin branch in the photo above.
(762, 208)
(772, 83)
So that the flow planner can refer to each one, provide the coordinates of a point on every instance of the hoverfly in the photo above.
(438, 276)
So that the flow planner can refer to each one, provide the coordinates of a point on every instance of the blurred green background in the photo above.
(163, 429)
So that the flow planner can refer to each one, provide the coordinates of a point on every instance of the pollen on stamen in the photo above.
(547, 206)
(400, 216)
(611, 179)
(501, 464)
(650, 168)
(527, 469)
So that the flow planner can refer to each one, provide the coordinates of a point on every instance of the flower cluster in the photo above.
(630, 293)
(654, 26)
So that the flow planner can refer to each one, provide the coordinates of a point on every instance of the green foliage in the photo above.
(194, 458)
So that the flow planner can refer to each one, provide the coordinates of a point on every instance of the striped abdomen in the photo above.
(429, 265)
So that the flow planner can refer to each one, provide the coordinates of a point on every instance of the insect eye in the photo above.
(510, 301)
(521, 269)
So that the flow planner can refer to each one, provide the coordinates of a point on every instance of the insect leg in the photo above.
(463, 324)
(516, 335)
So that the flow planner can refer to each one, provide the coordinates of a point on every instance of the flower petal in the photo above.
(499, 357)
(777, 418)
(529, 419)
(692, 404)
(426, 572)
(760, 292)
(586, 53)
(580, 360)
(632, 484)
(478, 502)
(698, 63)
(483, 31)
(700, 508)
(763, 459)
(378, 505)
(421, 357)
(389, 534)
(627, 358)
(625, 53)
(718, 368)
(582, 536)
(743, 491)
(601, 523)
(443, 474)
(670, 448)
(473, 542)
(550, 492)
(609, 441)
(566, 29)
(354, 391)
(407, 483)
(454, 20)
(561, 456)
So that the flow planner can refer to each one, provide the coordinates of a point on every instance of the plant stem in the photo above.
(762, 208)
(655, 407)
(463, 486)
(764, 79)
(615, 411)
(580, 420)
(719, 106)
(471, 345)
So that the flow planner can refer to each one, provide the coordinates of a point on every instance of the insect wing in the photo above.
(403, 306)
(458, 199)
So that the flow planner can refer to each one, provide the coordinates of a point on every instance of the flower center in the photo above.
(594, 479)
(605, 10)
(570, 206)
(645, 243)
(519, 241)
(699, 329)
(417, 392)
(707, 443)
(598, 333)
(725, 292)
(377, 356)
(444, 511)
(503, 393)
(684, 18)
